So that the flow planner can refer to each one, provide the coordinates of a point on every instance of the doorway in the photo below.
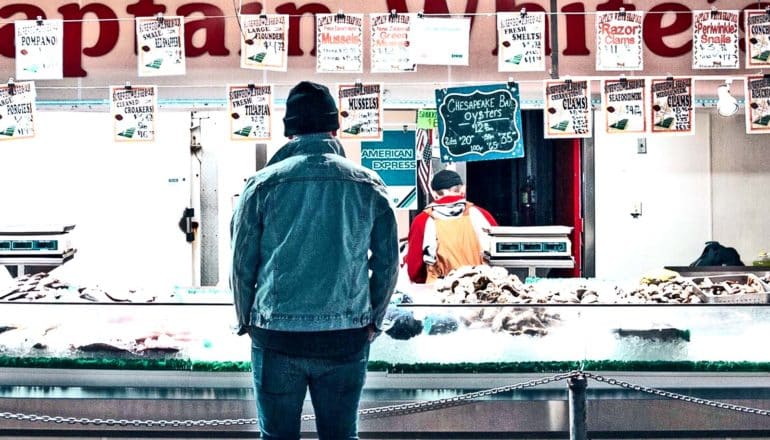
(543, 188)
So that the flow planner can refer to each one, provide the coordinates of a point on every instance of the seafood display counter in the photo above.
(180, 360)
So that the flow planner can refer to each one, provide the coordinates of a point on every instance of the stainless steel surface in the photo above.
(35, 229)
(588, 208)
(533, 264)
(209, 233)
(46, 260)
(52, 377)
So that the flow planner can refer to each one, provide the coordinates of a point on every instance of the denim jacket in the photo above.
(314, 242)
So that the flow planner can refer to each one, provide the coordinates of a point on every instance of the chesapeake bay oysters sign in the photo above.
(479, 122)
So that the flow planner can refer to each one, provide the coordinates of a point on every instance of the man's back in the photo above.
(316, 211)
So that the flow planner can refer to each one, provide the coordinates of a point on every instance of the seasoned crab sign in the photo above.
(479, 122)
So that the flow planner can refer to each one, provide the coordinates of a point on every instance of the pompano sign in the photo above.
(208, 23)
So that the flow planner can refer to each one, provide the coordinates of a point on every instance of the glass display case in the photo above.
(181, 360)
(167, 335)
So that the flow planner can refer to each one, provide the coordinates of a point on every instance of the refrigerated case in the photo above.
(181, 360)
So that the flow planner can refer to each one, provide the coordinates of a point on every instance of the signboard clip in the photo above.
(251, 86)
(340, 15)
(11, 87)
(713, 12)
(523, 12)
(669, 78)
(510, 83)
(623, 79)
(421, 14)
(359, 85)
(567, 80)
(393, 14)
(263, 17)
(39, 20)
(622, 12)
(159, 16)
(127, 86)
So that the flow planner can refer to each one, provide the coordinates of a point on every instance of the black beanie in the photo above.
(310, 109)
(445, 179)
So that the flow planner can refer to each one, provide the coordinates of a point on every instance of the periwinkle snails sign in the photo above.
(479, 122)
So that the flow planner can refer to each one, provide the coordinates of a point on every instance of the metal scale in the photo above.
(27, 246)
(530, 247)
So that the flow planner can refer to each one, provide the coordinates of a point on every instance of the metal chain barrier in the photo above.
(385, 411)
(391, 410)
(677, 396)
(462, 399)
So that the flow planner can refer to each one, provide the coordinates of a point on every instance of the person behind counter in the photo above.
(307, 232)
(448, 233)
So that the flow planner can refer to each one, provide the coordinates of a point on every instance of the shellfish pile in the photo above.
(494, 285)
(677, 290)
(513, 320)
(43, 287)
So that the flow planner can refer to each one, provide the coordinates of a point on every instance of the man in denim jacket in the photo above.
(315, 261)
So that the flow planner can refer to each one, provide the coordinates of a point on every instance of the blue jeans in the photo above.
(281, 382)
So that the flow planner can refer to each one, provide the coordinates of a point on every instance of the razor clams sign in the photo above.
(479, 122)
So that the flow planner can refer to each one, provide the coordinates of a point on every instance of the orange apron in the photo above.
(457, 244)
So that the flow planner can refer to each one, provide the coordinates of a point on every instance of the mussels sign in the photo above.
(479, 122)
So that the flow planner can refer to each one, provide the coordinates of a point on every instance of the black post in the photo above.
(577, 407)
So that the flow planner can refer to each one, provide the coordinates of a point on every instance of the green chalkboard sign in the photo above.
(479, 122)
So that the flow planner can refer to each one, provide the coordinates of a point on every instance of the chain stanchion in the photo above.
(577, 385)
(677, 396)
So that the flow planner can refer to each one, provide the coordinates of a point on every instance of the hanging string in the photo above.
(237, 15)
(420, 84)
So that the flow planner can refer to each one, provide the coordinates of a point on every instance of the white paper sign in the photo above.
(625, 105)
(251, 109)
(619, 40)
(757, 95)
(265, 42)
(339, 43)
(757, 39)
(360, 111)
(391, 35)
(39, 45)
(671, 108)
(567, 110)
(133, 113)
(17, 110)
(715, 40)
(521, 42)
(160, 46)
(441, 41)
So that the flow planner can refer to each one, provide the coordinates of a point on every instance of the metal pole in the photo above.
(577, 407)
(554, 22)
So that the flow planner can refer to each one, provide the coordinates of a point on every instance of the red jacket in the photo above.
(414, 256)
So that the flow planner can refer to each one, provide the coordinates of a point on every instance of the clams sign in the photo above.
(479, 122)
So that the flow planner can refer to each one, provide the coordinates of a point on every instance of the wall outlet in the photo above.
(636, 210)
(641, 146)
